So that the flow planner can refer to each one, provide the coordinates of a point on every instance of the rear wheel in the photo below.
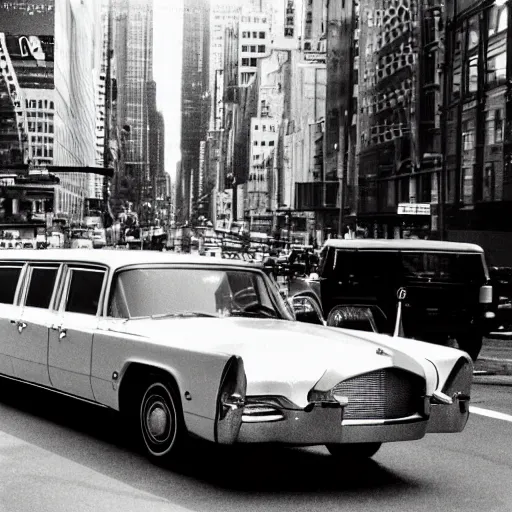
(354, 450)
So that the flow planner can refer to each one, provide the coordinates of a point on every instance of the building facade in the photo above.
(194, 103)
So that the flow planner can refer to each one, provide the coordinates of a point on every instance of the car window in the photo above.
(9, 277)
(84, 291)
(40, 289)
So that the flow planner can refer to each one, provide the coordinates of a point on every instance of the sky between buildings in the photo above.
(167, 39)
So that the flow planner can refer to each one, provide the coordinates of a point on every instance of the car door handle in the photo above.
(20, 325)
(62, 331)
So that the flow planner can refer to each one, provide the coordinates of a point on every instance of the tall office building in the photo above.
(194, 102)
(134, 43)
(224, 14)
(46, 56)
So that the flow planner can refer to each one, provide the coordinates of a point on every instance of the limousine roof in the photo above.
(115, 258)
(404, 245)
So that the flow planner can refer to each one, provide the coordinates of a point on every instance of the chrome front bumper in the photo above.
(323, 425)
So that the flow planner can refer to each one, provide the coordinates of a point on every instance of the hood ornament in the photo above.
(382, 352)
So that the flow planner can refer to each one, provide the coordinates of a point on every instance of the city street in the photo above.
(61, 456)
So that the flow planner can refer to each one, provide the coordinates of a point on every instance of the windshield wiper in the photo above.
(184, 314)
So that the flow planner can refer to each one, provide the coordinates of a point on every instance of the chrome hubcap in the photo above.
(158, 421)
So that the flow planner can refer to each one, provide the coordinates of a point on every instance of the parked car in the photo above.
(448, 292)
(188, 346)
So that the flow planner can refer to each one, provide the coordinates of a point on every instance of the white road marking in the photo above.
(490, 414)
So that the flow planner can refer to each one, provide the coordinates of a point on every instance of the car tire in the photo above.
(354, 450)
(471, 343)
(160, 423)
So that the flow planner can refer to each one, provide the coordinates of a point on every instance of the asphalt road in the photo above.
(57, 455)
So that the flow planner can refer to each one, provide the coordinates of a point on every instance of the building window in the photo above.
(271, 143)
(245, 48)
(255, 142)
(255, 35)
(495, 125)
(245, 62)
(263, 143)
(262, 35)
(456, 83)
(489, 184)
(261, 48)
(403, 190)
(473, 32)
(256, 127)
(254, 63)
(246, 35)
(468, 135)
(466, 185)
(497, 70)
(472, 75)
(253, 49)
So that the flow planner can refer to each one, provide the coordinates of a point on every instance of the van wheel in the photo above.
(161, 427)
(354, 451)
(471, 343)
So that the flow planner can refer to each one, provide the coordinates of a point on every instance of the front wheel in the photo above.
(160, 421)
(354, 450)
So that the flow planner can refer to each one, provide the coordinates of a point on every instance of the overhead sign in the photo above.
(413, 209)
(315, 57)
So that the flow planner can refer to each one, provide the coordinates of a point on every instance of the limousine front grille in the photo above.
(382, 395)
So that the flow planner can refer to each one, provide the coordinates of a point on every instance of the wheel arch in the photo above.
(132, 376)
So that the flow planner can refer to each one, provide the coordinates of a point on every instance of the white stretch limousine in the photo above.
(202, 347)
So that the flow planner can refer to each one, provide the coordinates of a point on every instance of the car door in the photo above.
(10, 312)
(30, 351)
(71, 337)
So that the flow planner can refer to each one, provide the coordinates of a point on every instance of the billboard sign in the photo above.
(32, 59)
(29, 30)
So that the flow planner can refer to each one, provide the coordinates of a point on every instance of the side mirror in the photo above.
(307, 310)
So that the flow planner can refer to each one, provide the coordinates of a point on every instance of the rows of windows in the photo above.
(465, 76)
(41, 104)
(260, 48)
(253, 35)
(250, 62)
(271, 127)
(263, 143)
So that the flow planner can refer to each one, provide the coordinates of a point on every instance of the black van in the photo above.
(447, 289)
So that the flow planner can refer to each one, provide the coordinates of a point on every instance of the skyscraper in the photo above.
(134, 43)
(194, 101)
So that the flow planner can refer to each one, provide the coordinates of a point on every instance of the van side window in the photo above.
(40, 290)
(9, 277)
(84, 291)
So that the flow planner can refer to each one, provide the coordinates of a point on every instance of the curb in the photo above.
(494, 366)
(493, 380)
(500, 335)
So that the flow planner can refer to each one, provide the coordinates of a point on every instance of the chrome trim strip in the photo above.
(394, 421)
(262, 419)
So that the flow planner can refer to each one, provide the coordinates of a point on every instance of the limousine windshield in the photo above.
(160, 292)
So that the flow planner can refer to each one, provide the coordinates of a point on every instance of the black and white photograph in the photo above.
(255, 255)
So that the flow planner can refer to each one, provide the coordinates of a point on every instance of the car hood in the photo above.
(288, 358)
